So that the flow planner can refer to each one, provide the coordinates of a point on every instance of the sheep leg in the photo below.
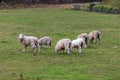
(99, 39)
(38, 48)
(68, 50)
(95, 40)
(83, 45)
(80, 49)
(35, 49)
(50, 44)
(72, 49)
(33, 45)
(57, 52)
(24, 48)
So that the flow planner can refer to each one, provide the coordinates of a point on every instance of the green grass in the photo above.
(100, 62)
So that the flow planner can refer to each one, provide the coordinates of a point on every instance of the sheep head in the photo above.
(21, 37)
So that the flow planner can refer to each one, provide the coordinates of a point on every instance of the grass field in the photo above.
(99, 62)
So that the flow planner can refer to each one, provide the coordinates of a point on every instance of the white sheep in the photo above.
(29, 41)
(79, 44)
(93, 36)
(63, 44)
(84, 36)
(45, 41)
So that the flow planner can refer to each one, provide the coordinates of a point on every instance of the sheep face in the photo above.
(57, 49)
(21, 37)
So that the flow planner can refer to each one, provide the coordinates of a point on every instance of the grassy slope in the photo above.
(100, 62)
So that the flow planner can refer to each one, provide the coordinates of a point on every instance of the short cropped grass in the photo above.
(99, 62)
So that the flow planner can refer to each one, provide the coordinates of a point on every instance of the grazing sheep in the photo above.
(93, 36)
(63, 44)
(85, 37)
(45, 41)
(79, 44)
(29, 41)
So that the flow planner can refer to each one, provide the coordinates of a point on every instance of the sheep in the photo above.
(45, 41)
(79, 44)
(29, 41)
(93, 36)
(84, 36)
(63, 44)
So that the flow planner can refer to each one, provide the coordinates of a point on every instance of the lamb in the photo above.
(29, 41)
(93, 36)
(84, 36)
(45, 41)
(79, 44)
(63, 44)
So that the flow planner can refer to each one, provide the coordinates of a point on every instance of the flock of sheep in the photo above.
(81, 42)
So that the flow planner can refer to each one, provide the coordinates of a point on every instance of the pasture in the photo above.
(99, 62)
